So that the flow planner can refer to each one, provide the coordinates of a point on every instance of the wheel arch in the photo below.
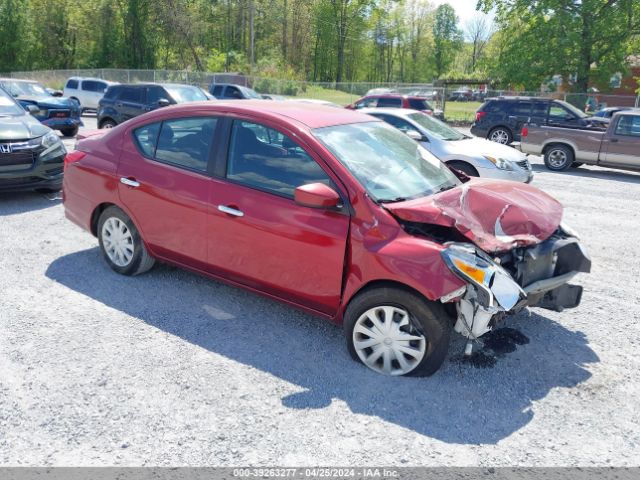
(465, 161)
(105, 118)
(375, 284)
(95, 215)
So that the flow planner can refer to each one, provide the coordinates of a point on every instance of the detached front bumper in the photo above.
(535, 276)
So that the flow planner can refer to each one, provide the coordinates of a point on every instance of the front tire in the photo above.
(108, 123)
(121, 243)
(558, 158)
(464, 167)
(394, 331)
(69, 132)
(501, 135)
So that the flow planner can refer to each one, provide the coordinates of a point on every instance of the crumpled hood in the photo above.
(23, 127)
(48, 102)
(495, 215)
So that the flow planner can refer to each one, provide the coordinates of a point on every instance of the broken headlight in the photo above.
(493, 283)
(500, 163)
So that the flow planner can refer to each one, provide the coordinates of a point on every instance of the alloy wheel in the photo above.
(117, 241)
(387, 342)
(500, 136)
(557, 158)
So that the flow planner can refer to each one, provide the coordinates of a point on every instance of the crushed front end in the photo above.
(534, 276)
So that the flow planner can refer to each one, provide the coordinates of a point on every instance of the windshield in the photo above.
(186, 94)
(388, 164)
(577, 112)
(8, 106)
(25, 88)
(250, 93)
(435, 127)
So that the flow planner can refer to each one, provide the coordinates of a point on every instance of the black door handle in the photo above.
(614, 140)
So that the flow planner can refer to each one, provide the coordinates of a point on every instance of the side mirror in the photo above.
(316, 195)
(163, 102)
(32, 109)
(415, 135)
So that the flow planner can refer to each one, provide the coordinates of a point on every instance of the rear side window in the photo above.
(146, 138)
(263, 158)
(521, 109)
(72, 84)
(186, 142)
(112, 92)
(628, 125)
(389, 102)
(131, 95)
(494, 106)
(539, 109)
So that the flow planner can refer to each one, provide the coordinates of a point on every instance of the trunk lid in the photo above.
(495, 215)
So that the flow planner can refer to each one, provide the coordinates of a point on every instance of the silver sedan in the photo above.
(474, 156)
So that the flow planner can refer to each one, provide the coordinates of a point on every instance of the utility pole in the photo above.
(252, 36)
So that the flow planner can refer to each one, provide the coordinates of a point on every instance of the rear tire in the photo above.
(464, 167)
(500, 135)
(558, 158)
(121, 243)
(416, 341)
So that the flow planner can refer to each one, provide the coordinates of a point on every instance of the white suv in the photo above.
(87, 91)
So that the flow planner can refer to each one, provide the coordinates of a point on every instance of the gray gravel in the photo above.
(174, 369)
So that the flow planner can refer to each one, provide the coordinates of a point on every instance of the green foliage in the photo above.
(447, 37)
(537, 38)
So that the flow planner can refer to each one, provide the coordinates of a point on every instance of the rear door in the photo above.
(164, 184)
(519, 114)
(622, 146)
(259, 236)
(130, 102)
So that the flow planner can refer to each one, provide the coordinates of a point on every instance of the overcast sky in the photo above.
(465, 9)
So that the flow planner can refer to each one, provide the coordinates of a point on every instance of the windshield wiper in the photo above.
(445, 188)
(392, 200)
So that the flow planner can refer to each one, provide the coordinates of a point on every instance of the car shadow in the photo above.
(461, 403)
(22, 202)
(594, 172)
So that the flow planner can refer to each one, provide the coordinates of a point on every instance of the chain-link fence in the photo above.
(458, 102)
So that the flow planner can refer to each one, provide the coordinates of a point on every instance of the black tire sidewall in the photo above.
(138, 245)
(107, 122)
(464, 167)
(69, 132)
(427, 316)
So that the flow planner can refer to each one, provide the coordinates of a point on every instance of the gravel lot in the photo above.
(174, 369)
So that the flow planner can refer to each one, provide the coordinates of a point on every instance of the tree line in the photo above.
(327, 40)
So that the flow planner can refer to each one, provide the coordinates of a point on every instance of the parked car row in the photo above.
(332, 211)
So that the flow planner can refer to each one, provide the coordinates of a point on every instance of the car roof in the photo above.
(398, 112)
(631, 111)
(516, 97)
(90, 78)
(147, 84)
(306, 114)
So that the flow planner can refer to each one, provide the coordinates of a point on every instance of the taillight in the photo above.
(479, 115)
(525, 132)
(73, 157)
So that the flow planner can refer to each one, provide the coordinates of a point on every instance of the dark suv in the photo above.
(501, 119)
(125, 101)
(231, 91)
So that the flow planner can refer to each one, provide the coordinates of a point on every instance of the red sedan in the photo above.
(329, 210)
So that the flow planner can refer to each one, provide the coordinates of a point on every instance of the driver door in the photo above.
(259, 236)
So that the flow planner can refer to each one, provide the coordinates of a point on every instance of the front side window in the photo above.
(388, 164)
(90, 86)
(264, 158)
(184, 94)
(419, 104)
(399, 123)
(186, 142)
(8, 105)
(154, 94)
(559, 114)
(628, 125)
(370, 102)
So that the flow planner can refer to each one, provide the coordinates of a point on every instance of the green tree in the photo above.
(446, 37)
(570, 37)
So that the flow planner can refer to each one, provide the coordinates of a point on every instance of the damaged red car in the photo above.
(328, 210)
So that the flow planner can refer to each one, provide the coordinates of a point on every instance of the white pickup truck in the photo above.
(617, 146)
